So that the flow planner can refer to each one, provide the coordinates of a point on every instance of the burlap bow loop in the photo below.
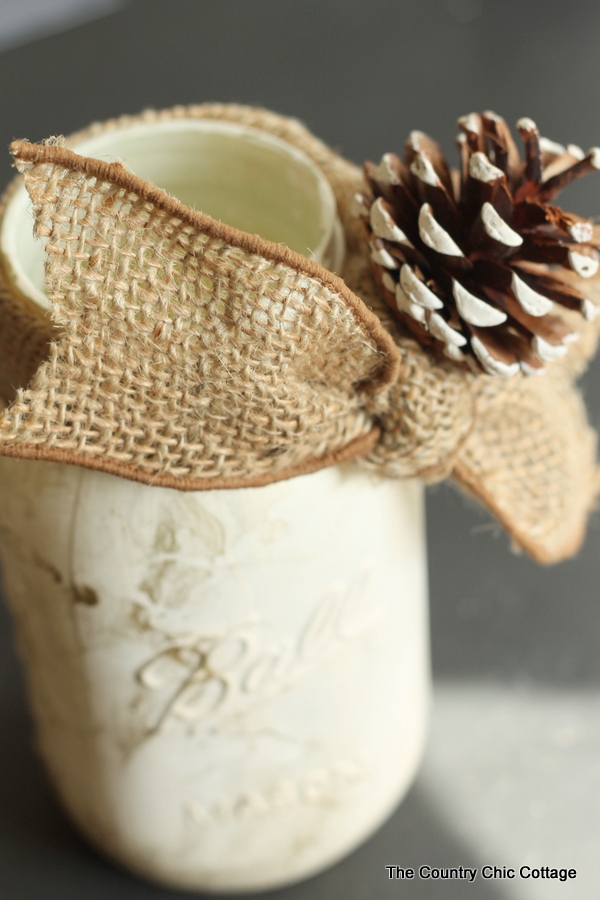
(188, 354)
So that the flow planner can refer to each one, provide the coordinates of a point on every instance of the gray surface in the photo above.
(24, 22)
(512, 768)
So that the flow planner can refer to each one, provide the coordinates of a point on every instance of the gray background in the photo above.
(512, 771)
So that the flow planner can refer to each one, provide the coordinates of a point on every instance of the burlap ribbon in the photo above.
(186, 353)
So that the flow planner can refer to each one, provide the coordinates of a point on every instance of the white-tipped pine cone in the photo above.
(471, 260)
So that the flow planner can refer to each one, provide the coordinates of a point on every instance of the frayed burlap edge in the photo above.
(356, 449)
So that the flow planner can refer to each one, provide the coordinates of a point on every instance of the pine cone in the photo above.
(471, 260)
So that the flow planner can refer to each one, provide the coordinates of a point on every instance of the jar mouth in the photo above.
(239, 175)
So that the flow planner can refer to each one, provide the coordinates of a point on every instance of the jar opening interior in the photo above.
(236, 174)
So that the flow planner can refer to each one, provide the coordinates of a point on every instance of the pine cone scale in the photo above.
(506, 155)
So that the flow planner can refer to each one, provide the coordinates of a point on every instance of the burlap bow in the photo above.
(189, 354)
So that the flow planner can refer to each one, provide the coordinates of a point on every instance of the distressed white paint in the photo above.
(547, 351)
(581, 232)
(417, 290)
(385, 173)
(381, 256)
(414, 139)
(422, 167)
(531, 301)
(492, 365)
(384, 226)
(551, 147)
(594, 155)
(388, 282)
(526, 124)
(469, 122)
(585, 266)
(414, 310)
(359, 207)
(482, 169)
(497, 228)
(444, 332)
(453, 353)
(473, 310)
(434, 236)
(531, 371)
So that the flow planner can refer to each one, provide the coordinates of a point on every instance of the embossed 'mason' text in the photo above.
(317, 787)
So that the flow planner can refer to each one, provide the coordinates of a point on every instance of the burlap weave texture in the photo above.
(194, 356)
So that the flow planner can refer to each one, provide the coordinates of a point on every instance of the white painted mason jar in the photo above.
(230, 687)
